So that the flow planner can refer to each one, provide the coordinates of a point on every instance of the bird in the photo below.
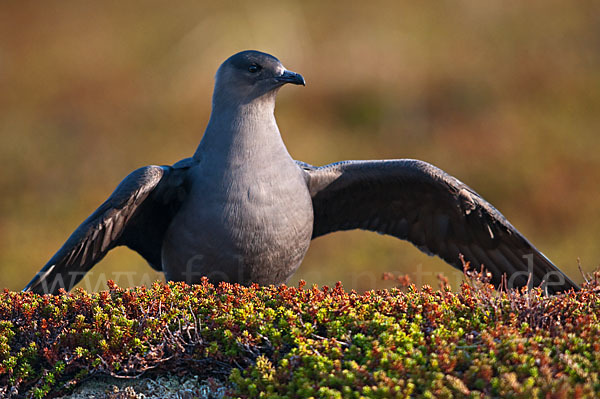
(242, 210)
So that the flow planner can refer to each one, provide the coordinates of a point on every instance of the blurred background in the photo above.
(503, 95)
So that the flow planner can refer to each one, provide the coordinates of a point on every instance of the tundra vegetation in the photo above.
(308, 342)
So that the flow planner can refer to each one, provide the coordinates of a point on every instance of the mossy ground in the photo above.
(307, 342)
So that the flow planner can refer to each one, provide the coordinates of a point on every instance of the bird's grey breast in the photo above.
(241, 224)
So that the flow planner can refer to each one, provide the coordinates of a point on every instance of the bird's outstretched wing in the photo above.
(418, 202)
(136, 214)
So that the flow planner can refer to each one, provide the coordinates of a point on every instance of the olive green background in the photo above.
(504, 95)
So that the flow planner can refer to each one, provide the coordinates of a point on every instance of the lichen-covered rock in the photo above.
(168, 386)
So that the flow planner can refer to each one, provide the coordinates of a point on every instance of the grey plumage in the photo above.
(242, 210)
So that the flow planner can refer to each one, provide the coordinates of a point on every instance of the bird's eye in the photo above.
(253, 68)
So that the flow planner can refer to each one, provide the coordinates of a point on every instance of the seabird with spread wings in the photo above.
(242, 210)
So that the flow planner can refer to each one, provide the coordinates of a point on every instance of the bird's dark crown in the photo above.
(253, 61)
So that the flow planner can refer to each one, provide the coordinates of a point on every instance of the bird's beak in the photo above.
(291, 77)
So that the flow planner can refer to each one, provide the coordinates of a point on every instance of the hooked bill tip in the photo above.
(291, 77)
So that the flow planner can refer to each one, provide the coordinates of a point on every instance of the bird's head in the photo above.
(250, 75)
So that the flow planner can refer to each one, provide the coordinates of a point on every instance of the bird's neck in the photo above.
(241, 132)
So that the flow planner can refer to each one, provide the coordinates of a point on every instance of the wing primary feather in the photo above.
(108, 237)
